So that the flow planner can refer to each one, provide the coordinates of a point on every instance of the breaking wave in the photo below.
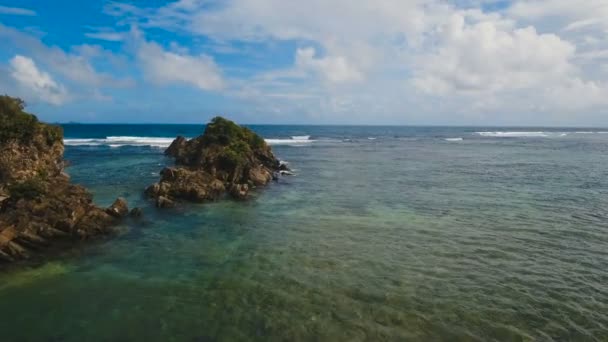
(513, 134)
(118, 141)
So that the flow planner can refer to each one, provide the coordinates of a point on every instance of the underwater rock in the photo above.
(136, 213)
(226, 158)
(38, 204)
(164, 202)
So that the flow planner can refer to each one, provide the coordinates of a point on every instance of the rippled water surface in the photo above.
(384, 234)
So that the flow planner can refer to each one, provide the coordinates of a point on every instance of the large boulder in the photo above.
(38, 204)
(225, 158)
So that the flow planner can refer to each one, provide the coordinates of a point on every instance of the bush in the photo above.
(29, 189)
(16, 124)
(225, 132)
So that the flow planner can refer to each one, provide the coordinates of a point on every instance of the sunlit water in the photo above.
(384, 234)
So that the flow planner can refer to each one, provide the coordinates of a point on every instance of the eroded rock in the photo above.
(38, 204)
(226, 158)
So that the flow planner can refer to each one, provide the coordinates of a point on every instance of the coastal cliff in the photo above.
(227, 158)
(39, 207)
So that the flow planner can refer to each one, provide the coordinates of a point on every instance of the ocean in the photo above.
(384, 233)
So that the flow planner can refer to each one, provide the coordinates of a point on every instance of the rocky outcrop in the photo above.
(38, 204)
(227, 158)
(119, 208)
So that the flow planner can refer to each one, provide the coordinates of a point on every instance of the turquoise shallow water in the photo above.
(384, 234)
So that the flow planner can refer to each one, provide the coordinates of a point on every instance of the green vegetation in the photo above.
(29, 189)
(239, 142)
(16, 124)
(223, 131)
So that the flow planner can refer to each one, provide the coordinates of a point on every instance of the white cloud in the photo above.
(165, 67)
(333, 68)
(39, 83)
(107, 36)
(400, 57)
(16, 11)
(484, 57)
(74, 67)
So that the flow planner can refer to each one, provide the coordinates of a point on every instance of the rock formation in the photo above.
(38, 204)
(226, 158)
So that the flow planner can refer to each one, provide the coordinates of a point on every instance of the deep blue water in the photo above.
(385, 233)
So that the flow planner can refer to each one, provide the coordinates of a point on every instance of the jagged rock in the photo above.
(260, 175)
(38, 204)
(239, 191)
(119, 208)
(177, 147)
(186, 184)
(226, 158)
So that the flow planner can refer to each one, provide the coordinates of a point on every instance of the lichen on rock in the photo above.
(38, 204)
(225, 158)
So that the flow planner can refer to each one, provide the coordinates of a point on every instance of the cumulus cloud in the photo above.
(41, 84)
(166, 67)
(484, 57)
(488, 57)
(74, 67)
(332, 68)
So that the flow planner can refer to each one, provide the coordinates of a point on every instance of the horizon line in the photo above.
(335, 125)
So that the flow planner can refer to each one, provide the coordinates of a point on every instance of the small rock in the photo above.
(136, 212)
(119, 208)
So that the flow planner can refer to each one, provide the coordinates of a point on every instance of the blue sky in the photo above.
(459, 62)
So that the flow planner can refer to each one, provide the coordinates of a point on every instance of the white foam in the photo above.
(512, 134)
(160, 142)
(287, 142)
(92, 142)
(371, 138)
(117, 141)
(301, 137)
(140, 141)
(453, 139)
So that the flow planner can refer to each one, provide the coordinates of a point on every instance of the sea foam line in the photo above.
(513, 134)
(117, 141)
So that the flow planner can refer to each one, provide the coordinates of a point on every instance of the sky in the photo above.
(406, 62)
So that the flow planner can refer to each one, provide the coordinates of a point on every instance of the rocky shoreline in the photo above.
(39, 207)
(42, 211)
